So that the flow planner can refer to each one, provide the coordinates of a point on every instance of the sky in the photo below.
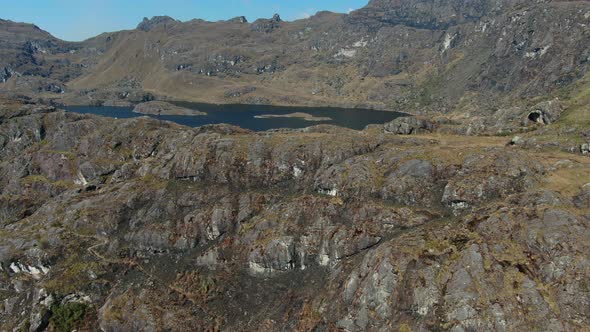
(76, 20)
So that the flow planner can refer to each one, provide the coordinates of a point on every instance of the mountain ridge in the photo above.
(356, 59)
(471, 215)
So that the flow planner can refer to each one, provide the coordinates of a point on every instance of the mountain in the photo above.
(34, 63)
(471, 214)
(428, 57)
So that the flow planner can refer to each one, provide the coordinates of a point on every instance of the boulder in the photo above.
(408, 126)
(546, 112)
(278, 255)
(517, 140)
(582, 200)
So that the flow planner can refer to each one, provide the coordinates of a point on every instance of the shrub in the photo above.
(67, 317)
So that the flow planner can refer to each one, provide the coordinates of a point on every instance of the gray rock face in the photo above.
(239, 19)
(419, 14)
(546, 112)
(408, 126)
(278, 255)
(415, 168)
(6, 73)
(156, 21)
(413, 182)
(476, 184)
(276, 18)
(267, 25)
(517, 140)
(582, 200)
(370, 290)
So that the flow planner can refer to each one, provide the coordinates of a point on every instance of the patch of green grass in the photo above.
(67, 317)
(578, 97)
(41, 179)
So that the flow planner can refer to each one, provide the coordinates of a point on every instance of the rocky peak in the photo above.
(5, 74)
(267, 25)
(149, 24)
(238, 19)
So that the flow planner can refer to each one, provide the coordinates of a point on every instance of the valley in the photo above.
(414, 165)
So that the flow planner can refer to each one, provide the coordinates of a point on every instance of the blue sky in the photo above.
(80, 19)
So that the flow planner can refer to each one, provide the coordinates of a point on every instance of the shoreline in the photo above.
(296, 115)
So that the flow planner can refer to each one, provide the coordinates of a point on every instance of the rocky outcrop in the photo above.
(474, 184)
(239, 92)
(278, 255)
(420, 14)
(546, 112)
(239, 19)
(317, 228)
(267, 25)
(582, 200)
(409, 126)
(585, 148)
(156, 21)
(164, 108)
(6, 73)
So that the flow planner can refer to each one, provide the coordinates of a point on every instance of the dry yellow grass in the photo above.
(458, 141)
(568, 180)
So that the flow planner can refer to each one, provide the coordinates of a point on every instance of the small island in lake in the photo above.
(164, 108)
(301, 115)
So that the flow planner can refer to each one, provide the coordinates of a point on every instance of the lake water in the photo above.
(244, 115)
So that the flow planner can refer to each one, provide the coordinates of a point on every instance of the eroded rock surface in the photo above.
(322, 228)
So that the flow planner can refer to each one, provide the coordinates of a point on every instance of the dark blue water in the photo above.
(243, 115)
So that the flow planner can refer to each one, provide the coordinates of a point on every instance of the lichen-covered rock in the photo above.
(478, 182)
(267, 25)
(277, 255)
(408, 126)
(582, 200)
(546, 112)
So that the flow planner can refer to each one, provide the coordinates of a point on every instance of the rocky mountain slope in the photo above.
(120, 225)
(421, 224)
(421, 56)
